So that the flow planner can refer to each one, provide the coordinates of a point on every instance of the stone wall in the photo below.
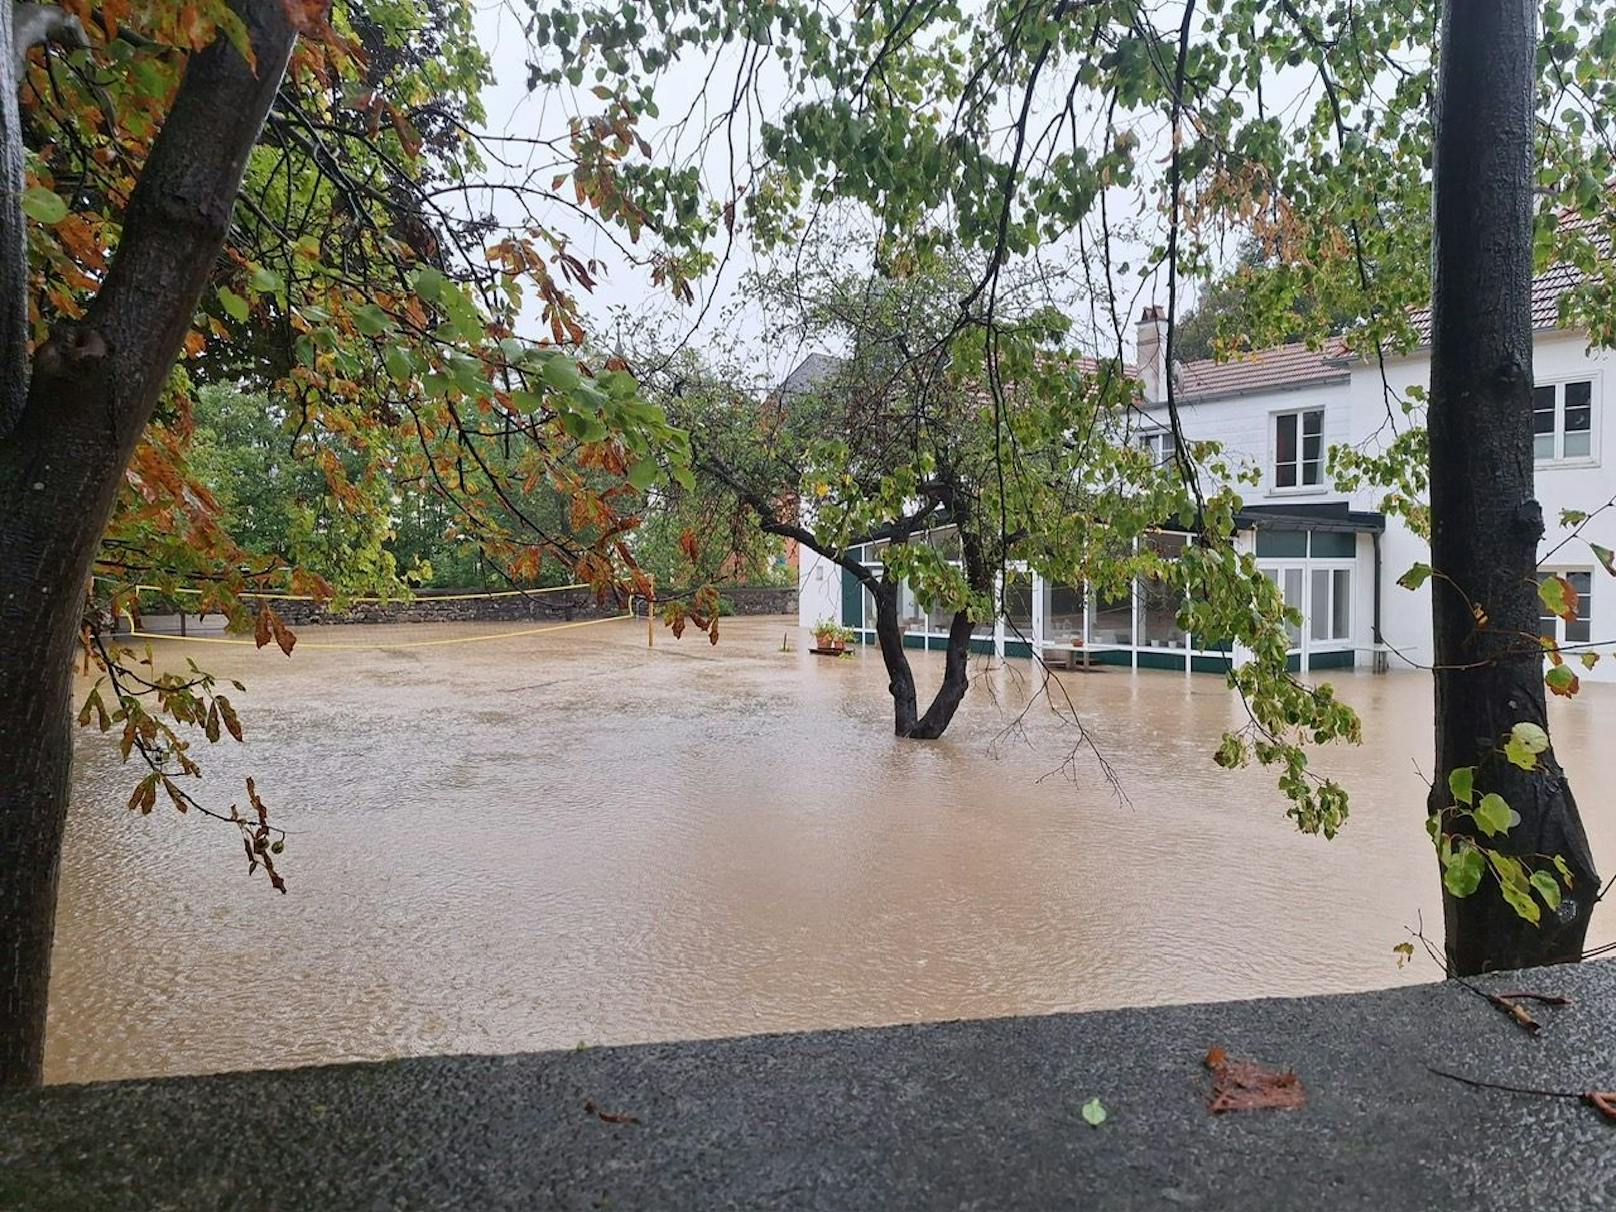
(449, 606)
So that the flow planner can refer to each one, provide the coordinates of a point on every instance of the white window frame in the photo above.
(1305, 645)
(1160, 443)
(1559, 458)
(1332, 643)
(1299, 488)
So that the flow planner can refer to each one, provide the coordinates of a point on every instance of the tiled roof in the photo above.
(1293, 365)
(809, 374)
(1548, 287)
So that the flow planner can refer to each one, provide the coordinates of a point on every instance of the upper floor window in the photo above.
(1299, 448)
(1563, 420)
(1160, 444)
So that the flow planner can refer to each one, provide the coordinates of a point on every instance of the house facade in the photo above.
(1330, 552)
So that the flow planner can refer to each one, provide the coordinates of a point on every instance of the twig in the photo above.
(1602, 1101)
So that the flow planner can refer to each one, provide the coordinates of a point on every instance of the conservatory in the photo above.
(1324, 561)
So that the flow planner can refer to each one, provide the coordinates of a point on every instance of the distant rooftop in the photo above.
(1548, 288)
(809, 374)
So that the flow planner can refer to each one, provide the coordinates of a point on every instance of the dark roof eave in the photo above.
(1280, 517)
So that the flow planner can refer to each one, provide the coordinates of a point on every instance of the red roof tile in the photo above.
(1548, 288)
(1293, 365)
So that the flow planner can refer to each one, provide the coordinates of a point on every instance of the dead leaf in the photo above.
(1248, 1085)
(1604, 1101)
(609, 1117)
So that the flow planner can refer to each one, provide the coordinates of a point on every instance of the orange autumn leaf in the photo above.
(1248, 1085)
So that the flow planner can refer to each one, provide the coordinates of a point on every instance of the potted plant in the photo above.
(831, 636)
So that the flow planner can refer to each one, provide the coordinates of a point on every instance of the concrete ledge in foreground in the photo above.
(956, 1115)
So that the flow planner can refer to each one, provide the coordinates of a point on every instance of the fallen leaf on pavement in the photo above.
(609, 1117)
(1248, 1085)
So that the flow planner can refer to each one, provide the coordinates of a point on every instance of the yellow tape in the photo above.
(461, 639)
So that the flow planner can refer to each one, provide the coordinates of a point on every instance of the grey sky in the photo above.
(722, 312)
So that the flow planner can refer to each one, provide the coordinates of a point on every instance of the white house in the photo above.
(1332, 554)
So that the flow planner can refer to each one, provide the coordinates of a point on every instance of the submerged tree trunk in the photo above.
(906, 718)
(90, 395)
(1485, 524)
(889, 636)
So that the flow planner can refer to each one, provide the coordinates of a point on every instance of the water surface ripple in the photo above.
(568, 837)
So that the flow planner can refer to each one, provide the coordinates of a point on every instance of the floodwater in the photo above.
(570, 837)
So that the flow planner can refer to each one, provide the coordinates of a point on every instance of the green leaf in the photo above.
(43, 205)
(1415, 576)
(1547, 888)
(265, 281)
(1557, 596)
(561, 374)
(1589, 659)
(1525, 742)
(234, 305)
(429, 284)
(1492, 815)
(643, 474)
(1605, 556)
(1523, 904)
(1094, 1113)
(584, 428)
(1461, 782)
(371, 320)
(1464, 871)
(1564, 869)
(1561, 680)
(399, 364)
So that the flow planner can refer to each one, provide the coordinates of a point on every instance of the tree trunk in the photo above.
(955, 681)
(1485, 523)
(906, 718)
(900, 677)
(90, 396)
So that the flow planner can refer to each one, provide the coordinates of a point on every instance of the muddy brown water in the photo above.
(571, 837)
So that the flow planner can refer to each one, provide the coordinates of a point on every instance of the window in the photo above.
(1327, 610)
(1330, 608)
(1160, 445)
(1575, 631)
(1063, 615)
(1018, 588)
(1299, 449)
(1159, 600)
(1563, 420)
(1289, 581)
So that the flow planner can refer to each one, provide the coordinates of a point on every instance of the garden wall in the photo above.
(451, 606)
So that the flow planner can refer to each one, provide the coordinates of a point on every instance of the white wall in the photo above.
(1356, 413)
(1583, 484)
(819, 588)
(1244, 426)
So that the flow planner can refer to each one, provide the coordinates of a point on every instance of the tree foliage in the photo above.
(1017, 131)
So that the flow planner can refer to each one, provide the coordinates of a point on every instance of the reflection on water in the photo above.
(568, 837)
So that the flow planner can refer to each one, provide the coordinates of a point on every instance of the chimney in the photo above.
(1152, 353)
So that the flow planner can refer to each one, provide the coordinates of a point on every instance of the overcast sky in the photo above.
(722, 311)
